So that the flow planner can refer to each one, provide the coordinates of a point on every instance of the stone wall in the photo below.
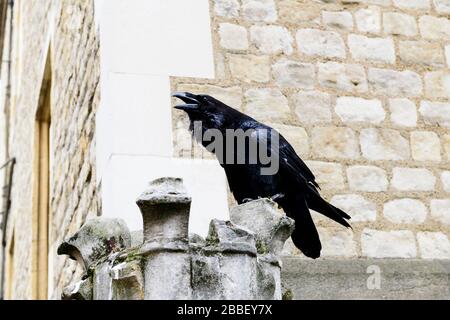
(361, 89)
(68, 28)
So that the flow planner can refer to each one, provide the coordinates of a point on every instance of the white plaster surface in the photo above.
(127, 176)
(142, 44)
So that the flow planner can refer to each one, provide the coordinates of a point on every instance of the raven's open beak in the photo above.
(189, 98)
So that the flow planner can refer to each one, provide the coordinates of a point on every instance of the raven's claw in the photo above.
(277, 197)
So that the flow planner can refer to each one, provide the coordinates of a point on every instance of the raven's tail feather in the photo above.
(305, 235)
(316, 203)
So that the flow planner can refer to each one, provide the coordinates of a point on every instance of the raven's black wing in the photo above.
(282, 151)
(293, 164)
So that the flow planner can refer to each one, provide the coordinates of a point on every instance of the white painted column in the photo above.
(142, 44)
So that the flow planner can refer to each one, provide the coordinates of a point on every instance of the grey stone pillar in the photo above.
(272, 228)
(165, 207)
(224, 266)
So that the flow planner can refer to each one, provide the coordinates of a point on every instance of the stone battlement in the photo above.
(239, 259)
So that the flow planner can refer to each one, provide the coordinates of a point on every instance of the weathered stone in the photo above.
(447, 55)
(403, 112)
(102, 282)
(297, 136)
(367, 178)
(231, 96)
(82, 290)
(339, 76)
(183, 138)
(442, 6)
(259, 10)
(425, 146)
(446, 144)
(239, 269)
(412, 4)
(440, 210)
(396, 23)
(268, 277)
(395, 83)
(368, 20)
(249, 68)
(437, 84)
(388, 244)
(137, 238)
(405, 211)
(340, 20)
(290, 249)
(334, 142)
(127, 281)
(313, 42)
(445, 178)
(233, 37)
(294, 12)
(421, 53)
(271, 227)
(377, 2)
(363, 48)
(288, 73)
(328, 175)
(220, 63)
(226, 8)
(337, 242)
(227, 236)
(271, 39)
(356, 206)
(267, 104)
(167, 276)
(434, 28)
(433, 245)
(384, 144)
(435, 113)
(206, 277)
(353, 109)
(413, 179)
(97, 238)
(165, 209)
(365, 279)
(312, 107)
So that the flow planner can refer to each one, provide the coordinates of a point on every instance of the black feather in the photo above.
(294, 180)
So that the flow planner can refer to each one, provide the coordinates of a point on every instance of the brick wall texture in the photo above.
(68, 28)
(361, 88)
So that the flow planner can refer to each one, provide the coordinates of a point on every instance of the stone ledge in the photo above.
(333, 279)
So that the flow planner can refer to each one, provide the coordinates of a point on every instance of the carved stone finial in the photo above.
(97, 238)
(271, 227)
(165, 209)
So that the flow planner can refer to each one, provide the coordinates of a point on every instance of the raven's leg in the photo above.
(277, 197)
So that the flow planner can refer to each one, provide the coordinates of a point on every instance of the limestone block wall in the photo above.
(65, 32)
(361, 88)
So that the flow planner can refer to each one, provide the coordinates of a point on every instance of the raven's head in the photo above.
(210, 111)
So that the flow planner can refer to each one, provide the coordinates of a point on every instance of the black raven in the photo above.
(292, 186)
